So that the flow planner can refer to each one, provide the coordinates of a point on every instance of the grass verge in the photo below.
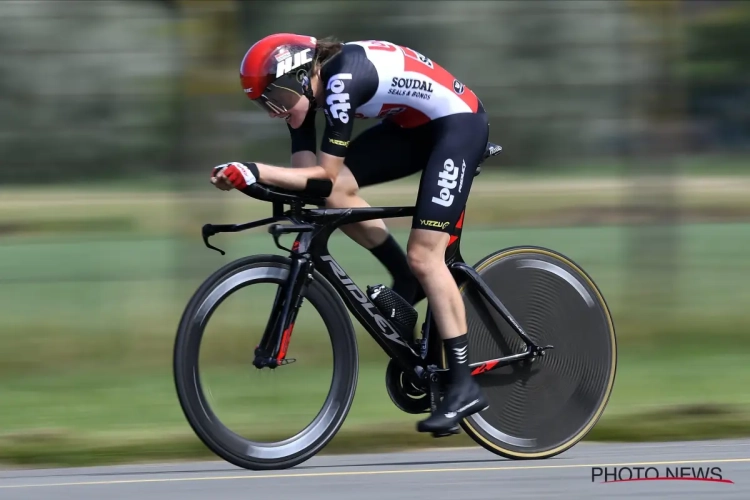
(679, 423)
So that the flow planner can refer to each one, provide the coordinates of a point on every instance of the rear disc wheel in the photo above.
(540, 408)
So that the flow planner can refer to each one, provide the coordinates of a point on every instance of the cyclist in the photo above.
(430, 122)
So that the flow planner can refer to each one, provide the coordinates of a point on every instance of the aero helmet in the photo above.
(275, 71)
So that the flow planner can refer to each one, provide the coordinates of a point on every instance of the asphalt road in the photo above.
(436, 474)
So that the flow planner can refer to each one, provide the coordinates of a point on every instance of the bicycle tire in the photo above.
(510, 428)
(217, 437)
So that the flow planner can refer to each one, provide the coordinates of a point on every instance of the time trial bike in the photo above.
(542, 342)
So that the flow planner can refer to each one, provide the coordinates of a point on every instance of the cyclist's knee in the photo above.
(344, 189)
(421, 260)
(341, 199)
(425, 251)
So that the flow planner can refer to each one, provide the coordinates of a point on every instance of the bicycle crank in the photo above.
(405, 395)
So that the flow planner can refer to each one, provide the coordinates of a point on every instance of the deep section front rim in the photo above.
(214, 434)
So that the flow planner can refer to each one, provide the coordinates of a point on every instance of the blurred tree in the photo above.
(717, 70)
(87, 89)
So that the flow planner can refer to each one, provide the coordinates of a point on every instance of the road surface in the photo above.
(436, 474)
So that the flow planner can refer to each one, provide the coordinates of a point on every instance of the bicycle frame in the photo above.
(310, 250)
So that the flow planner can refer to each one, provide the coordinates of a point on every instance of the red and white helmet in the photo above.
(275, 71)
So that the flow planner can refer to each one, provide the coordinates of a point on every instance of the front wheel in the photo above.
(540, 408)
(338, 390)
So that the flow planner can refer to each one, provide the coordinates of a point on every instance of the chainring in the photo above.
(404, 394)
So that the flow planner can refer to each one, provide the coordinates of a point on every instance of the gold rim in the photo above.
(503, 451)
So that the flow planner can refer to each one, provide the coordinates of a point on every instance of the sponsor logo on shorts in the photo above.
(434, 223)
(446, 181)
(338, 142)
(461, 180)
(338, 101)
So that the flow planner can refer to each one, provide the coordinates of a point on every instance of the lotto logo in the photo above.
(447, 182)
(291, 63)
(338, 101)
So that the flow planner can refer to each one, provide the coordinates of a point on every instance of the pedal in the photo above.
(448, 432)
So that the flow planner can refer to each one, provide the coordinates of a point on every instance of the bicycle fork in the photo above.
(272, 350)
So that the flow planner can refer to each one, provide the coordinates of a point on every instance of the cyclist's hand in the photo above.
(232, 175)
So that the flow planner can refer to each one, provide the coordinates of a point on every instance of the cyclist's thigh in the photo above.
(459, 142)
(386, 152)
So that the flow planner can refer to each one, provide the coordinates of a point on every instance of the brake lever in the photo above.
(207, 231)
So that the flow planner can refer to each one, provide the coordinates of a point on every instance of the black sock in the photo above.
(393, 258)
(457, 350)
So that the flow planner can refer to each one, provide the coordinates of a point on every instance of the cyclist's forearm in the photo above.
(290, 178)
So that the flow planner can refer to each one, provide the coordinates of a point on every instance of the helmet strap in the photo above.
(303, 77)
(310, 98)
(307, 91)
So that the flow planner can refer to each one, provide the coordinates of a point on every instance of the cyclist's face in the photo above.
(295, 115)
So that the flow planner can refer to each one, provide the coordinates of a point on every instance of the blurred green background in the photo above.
(626, 135)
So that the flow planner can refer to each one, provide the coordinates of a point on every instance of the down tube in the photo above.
(367, 313)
